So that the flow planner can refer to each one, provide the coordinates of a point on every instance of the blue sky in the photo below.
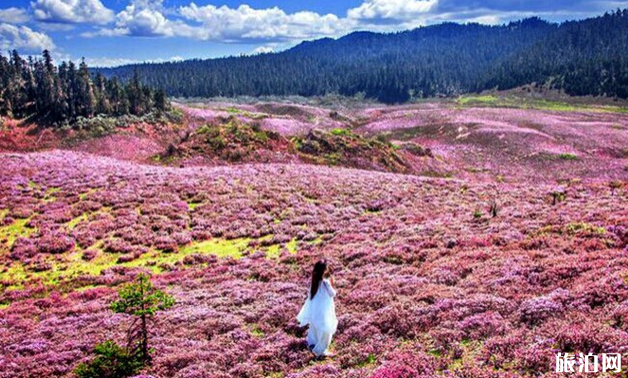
(113, 32)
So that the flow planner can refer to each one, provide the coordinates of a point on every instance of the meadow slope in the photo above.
(484, 266)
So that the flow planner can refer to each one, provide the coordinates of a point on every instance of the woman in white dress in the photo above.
(319, 311)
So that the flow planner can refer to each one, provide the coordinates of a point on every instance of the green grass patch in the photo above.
(86, 287)
(368, 361)
(255, 331)
(292, 246)
(555, 106)
(50, 194)
(273, 251)
(478, 100)
(194, 205)
(561, 156)
(538, 104)
(69, 266)
(341, 132)
(74, 222)
(218, 247)
(567, 157)
(84, 195)
(316, 241)
(575, 228)
(233, 110)
(15, 230)
(275, 374)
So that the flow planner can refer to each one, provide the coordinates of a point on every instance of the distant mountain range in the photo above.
(586, 57)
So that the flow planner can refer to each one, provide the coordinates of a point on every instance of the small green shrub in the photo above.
(110, 361)
(175, 115)
(566, 156)
(575, 228)
(341, 132)
(142, 300)
(261, 136)
(558, 196)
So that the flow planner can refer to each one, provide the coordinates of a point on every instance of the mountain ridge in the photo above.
(447, 59)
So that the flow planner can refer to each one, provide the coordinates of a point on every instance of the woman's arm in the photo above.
(329, 288)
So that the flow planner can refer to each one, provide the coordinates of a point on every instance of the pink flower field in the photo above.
(510, 248)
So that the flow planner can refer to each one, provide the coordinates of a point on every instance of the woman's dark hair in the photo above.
(317, 276)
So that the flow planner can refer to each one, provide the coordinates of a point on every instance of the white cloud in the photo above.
(113, 62)
(263, 50)
(13, 15)
(149, 18)
(144, 18)
(268, 26)
(246, 23)
(391, 11)
(72, 11)
(23, 39)
(489, 19)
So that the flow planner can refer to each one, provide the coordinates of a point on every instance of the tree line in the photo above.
(586, 57)
(56, 95)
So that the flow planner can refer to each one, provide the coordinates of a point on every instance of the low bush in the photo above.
(110, 361)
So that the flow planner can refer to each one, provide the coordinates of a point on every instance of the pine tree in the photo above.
(60, 95)
(141, 300)
(86, 100)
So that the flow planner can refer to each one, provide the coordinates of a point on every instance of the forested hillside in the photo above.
(58, 95)
(582, 57)
(588, 57)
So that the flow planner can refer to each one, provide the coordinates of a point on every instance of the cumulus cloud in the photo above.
(263, 50)
(144, 18)
(13, 15)
(247, 23)
(267, 26)
(23, 39)
(148, 18)
(72, 11)
(391, 11)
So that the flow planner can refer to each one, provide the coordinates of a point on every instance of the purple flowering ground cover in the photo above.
(457, 275)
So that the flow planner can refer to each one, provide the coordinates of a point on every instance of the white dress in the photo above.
(320, 314)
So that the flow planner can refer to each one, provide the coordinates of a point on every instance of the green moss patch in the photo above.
(567, 157)
(13, 231)
(49, 195)
(193, 205)
(74, 222)
(495, 101)
(217, 247)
